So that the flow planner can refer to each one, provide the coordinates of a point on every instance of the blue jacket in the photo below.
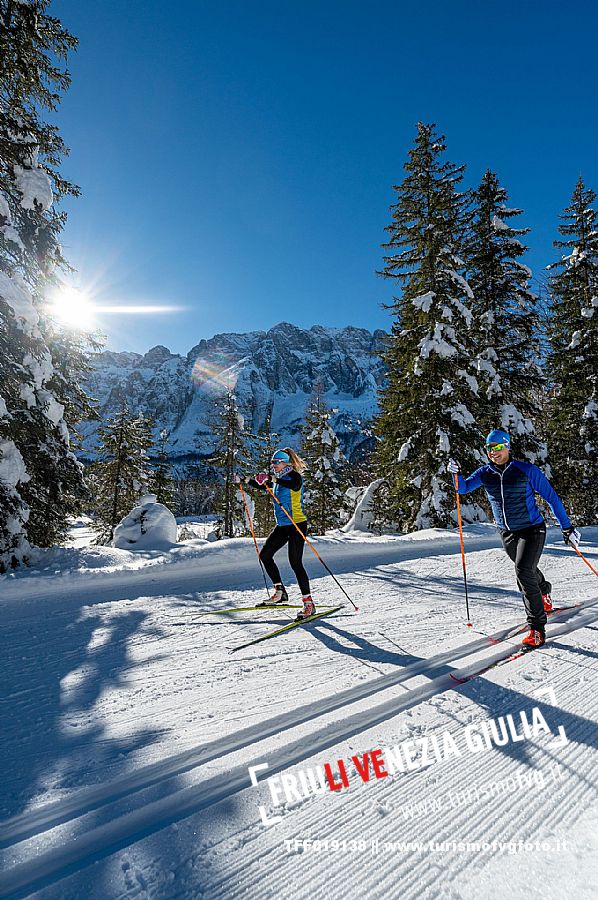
(511, 493)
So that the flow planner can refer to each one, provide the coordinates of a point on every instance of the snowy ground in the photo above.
(128, 726)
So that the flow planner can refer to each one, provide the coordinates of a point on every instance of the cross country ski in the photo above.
(286, 628)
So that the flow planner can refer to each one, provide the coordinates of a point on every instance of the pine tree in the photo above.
(359, 471)
(57, 490)
(426, 406)
(230, 458)
(122, 474)
(267, 441)
(326, 481)
(572, 363)
(506, 325)
(161, 480)
(383, 512)
(41, 483)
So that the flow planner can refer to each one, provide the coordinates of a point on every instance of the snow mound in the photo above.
(149, 526)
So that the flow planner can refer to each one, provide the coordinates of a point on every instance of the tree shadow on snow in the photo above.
(183, 860)
(56, 740)
(54, 674)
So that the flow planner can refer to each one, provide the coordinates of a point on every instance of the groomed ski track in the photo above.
(30, 824)
(51, 844)
(132, 826)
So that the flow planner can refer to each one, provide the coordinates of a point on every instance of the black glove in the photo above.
(571, 535)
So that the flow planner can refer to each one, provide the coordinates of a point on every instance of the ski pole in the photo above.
(580, 554)
(310, 545)
(456, 477)
(254, 538)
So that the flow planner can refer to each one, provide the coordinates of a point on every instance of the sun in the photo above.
(73, 309)
(80, 310)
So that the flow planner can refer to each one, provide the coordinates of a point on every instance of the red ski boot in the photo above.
(547, 600)
(308, 610)
(533, 639)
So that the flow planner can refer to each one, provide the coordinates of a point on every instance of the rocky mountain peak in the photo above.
(154, 358)
(272, 372)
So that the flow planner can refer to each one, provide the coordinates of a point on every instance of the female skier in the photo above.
(510, 485)
(291, 523)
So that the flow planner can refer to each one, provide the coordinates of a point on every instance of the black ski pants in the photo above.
(525, 548)
(286, 534)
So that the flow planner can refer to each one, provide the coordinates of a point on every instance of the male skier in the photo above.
(511, 485)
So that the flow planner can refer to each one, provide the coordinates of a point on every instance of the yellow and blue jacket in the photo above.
(288, 490)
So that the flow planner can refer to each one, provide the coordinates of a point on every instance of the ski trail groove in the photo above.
(417, 876)
(28, 824)
(103, 840)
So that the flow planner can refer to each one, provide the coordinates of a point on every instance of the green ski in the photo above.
(237, 609)
(229, 609)
(288, 627)
(217, 612)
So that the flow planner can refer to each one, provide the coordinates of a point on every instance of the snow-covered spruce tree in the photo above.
(41, 483)
(161, 483)
(383, 513)
(361, 468)
(14, 511)
(230, 458)
(267, 441)
(326, 468)
(428, 405)
(122, 474)
(572, 364)
(506, 326)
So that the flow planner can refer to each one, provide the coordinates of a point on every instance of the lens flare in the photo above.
(80, 310)
(130, 309)
(216, 374)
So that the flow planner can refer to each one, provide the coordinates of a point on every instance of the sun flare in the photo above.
(77, 309)
(73, 309)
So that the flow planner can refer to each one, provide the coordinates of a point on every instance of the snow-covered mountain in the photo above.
(271, 371)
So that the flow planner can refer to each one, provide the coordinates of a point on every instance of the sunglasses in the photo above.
(491, 447)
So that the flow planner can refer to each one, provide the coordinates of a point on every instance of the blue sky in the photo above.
(237, 159)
